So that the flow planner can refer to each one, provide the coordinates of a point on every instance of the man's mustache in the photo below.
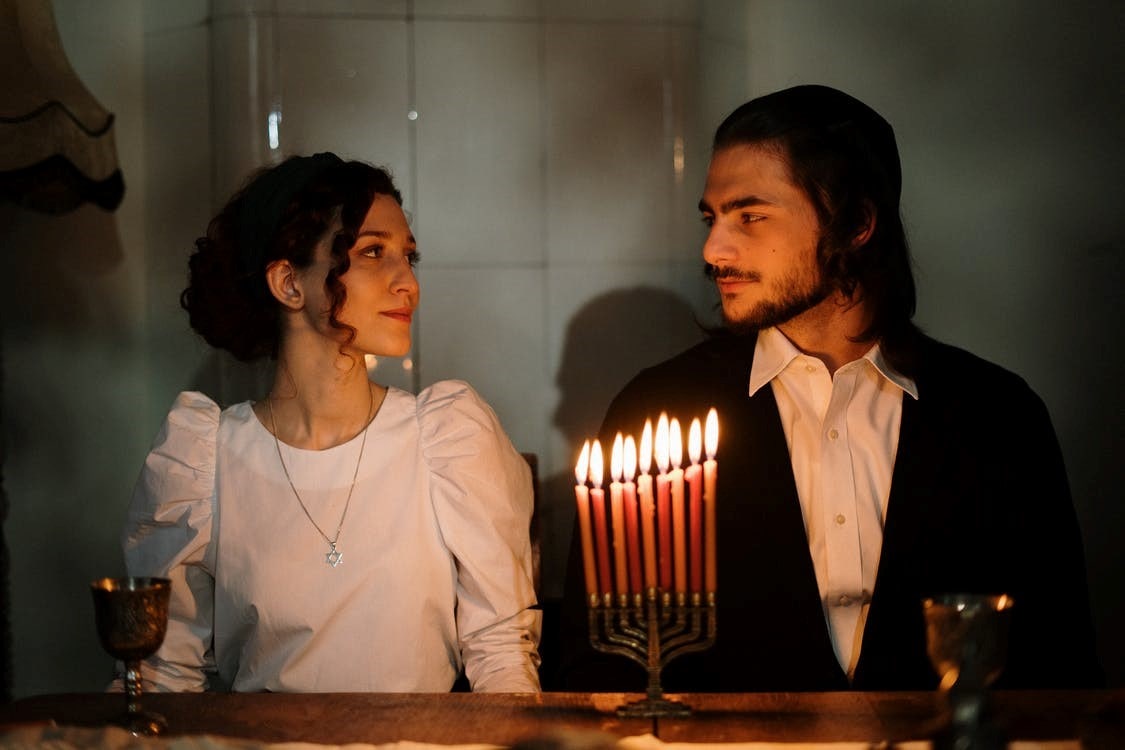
(729, 273)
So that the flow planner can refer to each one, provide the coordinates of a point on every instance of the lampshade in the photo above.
(56, 141)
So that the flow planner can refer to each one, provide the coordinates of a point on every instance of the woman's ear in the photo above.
(285, 284)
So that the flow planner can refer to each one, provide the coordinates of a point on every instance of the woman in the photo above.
(336, 535)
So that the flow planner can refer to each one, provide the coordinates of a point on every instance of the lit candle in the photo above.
(601, 537)
(582, 495)
(679, 532)
(618, 517)
(632, 541)
(710, 472)
(648, 509)
(693, 475)
(663, 502)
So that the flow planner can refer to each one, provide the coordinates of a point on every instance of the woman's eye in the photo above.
(413, 256)
(375, 251)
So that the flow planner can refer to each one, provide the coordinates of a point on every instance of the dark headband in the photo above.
(265, 201)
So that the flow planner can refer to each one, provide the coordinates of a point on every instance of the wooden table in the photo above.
(335, 719)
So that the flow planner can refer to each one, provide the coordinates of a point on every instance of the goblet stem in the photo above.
(133, 687)
(139, 723)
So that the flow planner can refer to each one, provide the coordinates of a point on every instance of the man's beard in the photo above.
(792, 295)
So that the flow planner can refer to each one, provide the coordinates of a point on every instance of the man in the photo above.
(862, 465)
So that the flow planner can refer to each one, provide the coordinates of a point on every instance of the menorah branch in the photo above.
(652, 635)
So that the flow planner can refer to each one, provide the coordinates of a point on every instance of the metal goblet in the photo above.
(132, 617)
(967, 642)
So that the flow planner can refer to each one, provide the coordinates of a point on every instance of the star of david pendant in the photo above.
(335, 557)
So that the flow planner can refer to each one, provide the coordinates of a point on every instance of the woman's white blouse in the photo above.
(436, 557)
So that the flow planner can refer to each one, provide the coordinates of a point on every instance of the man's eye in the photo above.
(707, 220)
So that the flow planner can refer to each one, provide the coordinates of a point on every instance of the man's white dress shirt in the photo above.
(842, 430)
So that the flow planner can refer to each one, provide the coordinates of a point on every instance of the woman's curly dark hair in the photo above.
(227, 299)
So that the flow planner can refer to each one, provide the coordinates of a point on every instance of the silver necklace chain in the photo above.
(333, 557)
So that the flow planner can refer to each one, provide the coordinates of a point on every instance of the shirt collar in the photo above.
(773, 352)
(875, 356)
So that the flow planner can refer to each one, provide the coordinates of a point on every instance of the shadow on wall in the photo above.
(67, 320)
(1092, 439)
(228, 381)
(608, 341)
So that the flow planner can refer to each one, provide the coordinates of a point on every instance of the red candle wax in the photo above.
(618, 518)
(632, 541)
(679, 532)
(648, 528)
(664, 528)
(693, 475)
(582, 496)
(601, 537)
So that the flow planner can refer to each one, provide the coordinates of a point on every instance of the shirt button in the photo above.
(833, 434)
(840, 519)
(845, 600)
(810, 368)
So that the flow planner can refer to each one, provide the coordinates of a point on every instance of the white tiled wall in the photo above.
(550, 155)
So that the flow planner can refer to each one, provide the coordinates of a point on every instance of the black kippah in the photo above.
(267, 198)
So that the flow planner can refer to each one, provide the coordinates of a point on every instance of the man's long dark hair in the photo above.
(843, 155)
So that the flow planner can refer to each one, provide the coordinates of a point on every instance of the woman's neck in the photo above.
(319, 401)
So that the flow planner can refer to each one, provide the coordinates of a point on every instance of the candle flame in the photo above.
(582, 468)
(615, 458)
(675, 443)
(661, 443)
(630, 458)
(645, 457)
(596, 464)
(695, 440)
(712, 433)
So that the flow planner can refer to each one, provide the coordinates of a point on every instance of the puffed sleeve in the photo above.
(168, 533)
(482, 496)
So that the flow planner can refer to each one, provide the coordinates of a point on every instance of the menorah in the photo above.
(655, 616)
(652, 634)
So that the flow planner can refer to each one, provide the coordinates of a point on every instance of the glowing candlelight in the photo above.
(582, 496)
(648, 510)
(597, 499)
(618, 515)
(663, 502)
(710, 472)
(676, 475)
(632, 541)
(693, 476)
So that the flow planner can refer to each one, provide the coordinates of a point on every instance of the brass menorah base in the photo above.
(652, 630)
